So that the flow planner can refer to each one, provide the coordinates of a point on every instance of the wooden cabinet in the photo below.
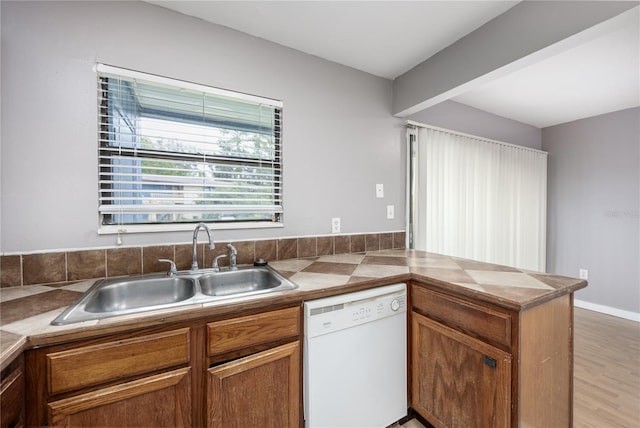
(144, 380)
(244, 370)
(263, 387)
(477, 364)
(12, 394)
(458, 381)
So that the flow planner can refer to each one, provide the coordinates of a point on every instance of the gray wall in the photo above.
(594, 204)
(339, 138)
(469, 120)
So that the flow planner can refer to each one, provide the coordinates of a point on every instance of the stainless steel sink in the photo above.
(122, 296)
(140, 293)
(240, 282)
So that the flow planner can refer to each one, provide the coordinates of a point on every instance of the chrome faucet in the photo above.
(212, 245)
(232, 258)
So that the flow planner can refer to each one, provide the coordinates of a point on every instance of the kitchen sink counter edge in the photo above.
(24, 326)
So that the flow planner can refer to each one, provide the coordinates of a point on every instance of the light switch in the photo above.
(390, 212)
(379, 190)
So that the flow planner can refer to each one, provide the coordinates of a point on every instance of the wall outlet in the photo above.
(335, 225)
(583, 274)
(379, 190)
(390, 212)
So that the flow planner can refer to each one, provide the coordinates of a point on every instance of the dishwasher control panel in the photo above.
(348, 310)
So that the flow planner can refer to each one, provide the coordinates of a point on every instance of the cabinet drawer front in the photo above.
(483, 321)
(243, 332)
(95, 364)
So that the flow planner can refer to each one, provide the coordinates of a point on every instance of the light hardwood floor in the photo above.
(606, 382)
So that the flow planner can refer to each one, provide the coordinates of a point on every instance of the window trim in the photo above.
(125, 72)
(106, 229)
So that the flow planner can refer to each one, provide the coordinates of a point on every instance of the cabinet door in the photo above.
(458, 381)
(162, 400)
(12, 395)
(261, 390)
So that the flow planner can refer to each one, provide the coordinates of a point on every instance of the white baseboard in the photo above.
(633, 316)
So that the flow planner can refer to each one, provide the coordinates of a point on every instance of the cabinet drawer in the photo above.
(243, 332)
(91, 365)
(484, 322)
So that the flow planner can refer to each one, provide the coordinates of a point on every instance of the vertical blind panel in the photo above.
(480, 200)
(171, 147)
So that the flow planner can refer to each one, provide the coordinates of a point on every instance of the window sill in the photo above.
(152, 228)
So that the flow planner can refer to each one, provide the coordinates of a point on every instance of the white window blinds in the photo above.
(178, 152)
(478, 199)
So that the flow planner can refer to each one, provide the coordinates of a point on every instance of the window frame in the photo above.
(104, 146)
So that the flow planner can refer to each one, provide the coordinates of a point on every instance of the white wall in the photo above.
(339, 136)
(594, 207)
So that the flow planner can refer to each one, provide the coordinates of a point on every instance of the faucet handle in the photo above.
(172, 266)
(214, 265)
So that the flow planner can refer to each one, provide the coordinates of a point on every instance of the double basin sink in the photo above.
(121, 296)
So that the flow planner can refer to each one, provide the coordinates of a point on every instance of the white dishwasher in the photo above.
(355, 359)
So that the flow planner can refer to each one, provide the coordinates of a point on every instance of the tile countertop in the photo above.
(26, 312)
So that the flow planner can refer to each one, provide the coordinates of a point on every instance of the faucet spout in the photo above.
(194, 249)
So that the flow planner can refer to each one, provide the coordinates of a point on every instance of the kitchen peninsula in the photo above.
(501, 330)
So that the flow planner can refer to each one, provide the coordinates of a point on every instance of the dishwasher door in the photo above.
(356, 373)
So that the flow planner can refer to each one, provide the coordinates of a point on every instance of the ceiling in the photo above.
(600, 74)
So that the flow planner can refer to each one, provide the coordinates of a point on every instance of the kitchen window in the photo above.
(176, 153)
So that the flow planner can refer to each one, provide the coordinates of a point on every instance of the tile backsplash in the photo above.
(61, 267)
